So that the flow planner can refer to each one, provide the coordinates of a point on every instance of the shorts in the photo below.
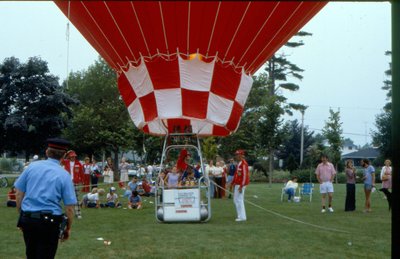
(367, 186)
(326, 187)
(124, 177)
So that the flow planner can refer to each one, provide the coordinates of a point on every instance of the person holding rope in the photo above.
(40, 189)
(75, 169)
(240, 180)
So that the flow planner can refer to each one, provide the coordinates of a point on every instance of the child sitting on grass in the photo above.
(112, 199)
(92, 199)
(135, 201)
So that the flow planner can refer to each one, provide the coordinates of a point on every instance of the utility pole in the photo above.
(302, 137)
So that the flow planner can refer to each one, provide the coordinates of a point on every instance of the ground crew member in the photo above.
(240, 180)
(75, 169)
(40, 189)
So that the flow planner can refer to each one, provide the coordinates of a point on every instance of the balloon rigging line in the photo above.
(286, 217)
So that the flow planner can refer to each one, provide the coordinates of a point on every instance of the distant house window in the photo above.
(350, 148)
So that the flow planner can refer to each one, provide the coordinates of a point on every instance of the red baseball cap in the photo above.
(239, 152)
(71, 153)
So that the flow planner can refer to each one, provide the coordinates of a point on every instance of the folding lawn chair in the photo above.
(307, 189)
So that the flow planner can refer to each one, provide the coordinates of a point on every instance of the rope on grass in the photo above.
(287, 217)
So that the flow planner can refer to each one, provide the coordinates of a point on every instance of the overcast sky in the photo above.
(344, 60)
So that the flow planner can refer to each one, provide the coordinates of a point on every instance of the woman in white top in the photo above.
(218, 172)
(290, 188)
(123, 168)
(210, 173)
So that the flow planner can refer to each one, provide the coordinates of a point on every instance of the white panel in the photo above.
(219, 109)
(140, 79)
(169, 103)
(136, 113)
(201, 127)
(244, 88)
(195, 74)
(156, 127)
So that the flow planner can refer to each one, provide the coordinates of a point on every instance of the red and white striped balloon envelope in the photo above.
(187, 66)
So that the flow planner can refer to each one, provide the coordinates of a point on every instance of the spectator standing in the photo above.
(240, 180)
(108, 173)
(218, 173)
(369, 182)
(75, 169)
(386, 175)
(40, 190)
(210, 173)
(325, 173)
(86, 175)
(150, 170)
(350, 171)
(123, 168)
(95, 173)
(231, 173)
(11, 199)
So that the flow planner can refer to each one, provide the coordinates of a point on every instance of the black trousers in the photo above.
(40, 236)
(94, 180)
(350, 204)
(218, 190)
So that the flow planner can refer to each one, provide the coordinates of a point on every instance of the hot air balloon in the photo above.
(186, 67)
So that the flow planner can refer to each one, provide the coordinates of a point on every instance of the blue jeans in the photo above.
(290, 193)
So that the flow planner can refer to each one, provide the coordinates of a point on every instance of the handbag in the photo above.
(385, 177)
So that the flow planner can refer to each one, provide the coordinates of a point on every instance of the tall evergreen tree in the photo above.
(383, 121)
(278, 71)
(333, 132)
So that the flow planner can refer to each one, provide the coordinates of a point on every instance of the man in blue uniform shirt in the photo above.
(40, 189)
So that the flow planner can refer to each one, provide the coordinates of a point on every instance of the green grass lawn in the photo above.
(136, 233)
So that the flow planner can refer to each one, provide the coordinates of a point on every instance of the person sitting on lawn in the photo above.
(145, 188)
(112, 199)
(12, 201)
(290, 188)
(92, 199)
(132, 186)
(135, 201)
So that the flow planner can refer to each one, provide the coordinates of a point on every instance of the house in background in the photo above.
(370, 153)
(348, 147)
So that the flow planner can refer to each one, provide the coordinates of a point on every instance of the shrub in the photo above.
(5, 164)
(303, 175)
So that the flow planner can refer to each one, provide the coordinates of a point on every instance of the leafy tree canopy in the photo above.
(33, 106)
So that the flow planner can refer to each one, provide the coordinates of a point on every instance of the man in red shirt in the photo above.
(240, 180)
(75, 169)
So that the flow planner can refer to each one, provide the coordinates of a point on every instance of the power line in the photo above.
(346, 133)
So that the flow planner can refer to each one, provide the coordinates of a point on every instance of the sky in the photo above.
(344, 59)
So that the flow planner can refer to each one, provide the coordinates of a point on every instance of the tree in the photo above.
(333, 132)
(291, 144)
(101, 121)
(278, 69)
(209, 148)
(33, 107)
(383, 121)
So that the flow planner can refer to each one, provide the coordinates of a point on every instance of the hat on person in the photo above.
(71, 153)
(239, 152)
(112, 189)
(58, 143)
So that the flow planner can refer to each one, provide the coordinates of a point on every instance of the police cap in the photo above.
(58, 143)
